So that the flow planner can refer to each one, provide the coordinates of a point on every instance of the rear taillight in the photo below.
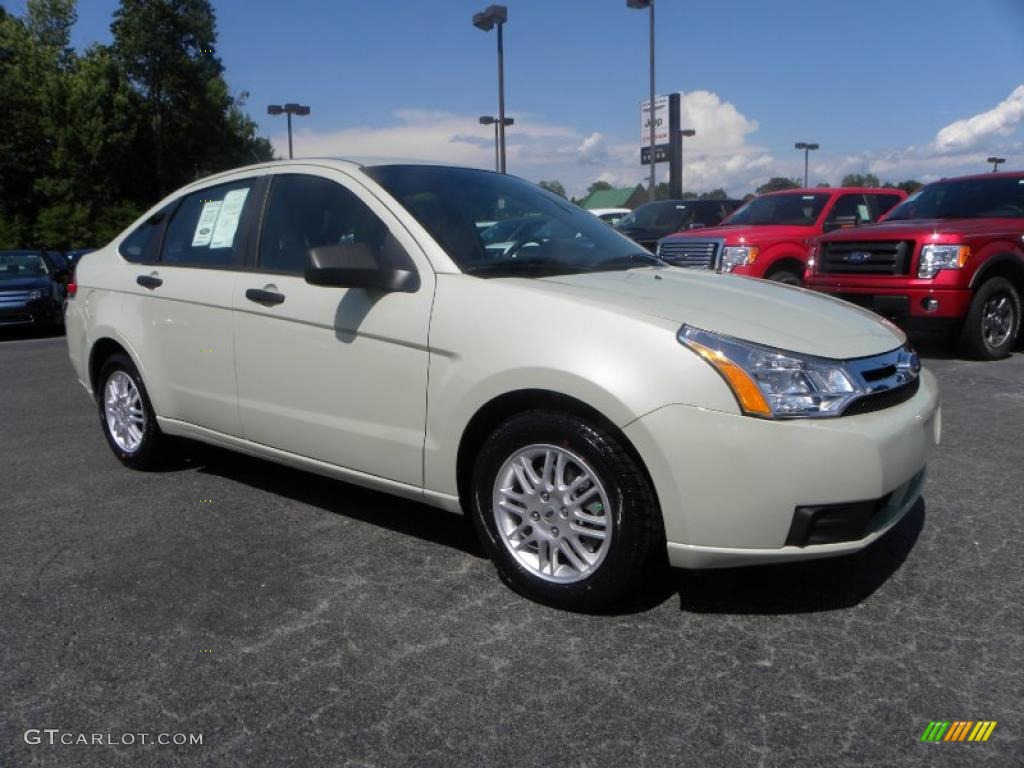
(72, 289)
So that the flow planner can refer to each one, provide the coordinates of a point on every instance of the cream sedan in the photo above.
(593, 410)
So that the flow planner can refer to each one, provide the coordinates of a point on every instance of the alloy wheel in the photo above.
(122, 406)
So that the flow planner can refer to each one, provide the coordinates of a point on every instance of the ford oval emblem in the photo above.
(856, 257)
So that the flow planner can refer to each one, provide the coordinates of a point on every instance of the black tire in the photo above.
(151, 450)
(786, 277)
(634, 519)
(977, 337)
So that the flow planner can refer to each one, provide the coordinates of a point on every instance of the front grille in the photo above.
(887, 398)
(694, 254)
(882, 257)
(13, 298)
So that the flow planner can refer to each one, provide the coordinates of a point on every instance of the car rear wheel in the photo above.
(565, 512)
(127, 415)
(993, 321)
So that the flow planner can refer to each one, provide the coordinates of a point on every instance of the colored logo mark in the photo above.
(958, 730)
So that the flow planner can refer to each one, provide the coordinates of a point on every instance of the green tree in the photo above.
(553, 186)
(598, 186)
(777, 184)
(194, 125)
(910, 186)
(860, 180)
(715, 194)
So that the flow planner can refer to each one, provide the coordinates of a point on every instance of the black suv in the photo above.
(650, 222)
(33, 285)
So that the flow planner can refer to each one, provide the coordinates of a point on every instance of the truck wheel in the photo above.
(993, 321)
(786, 277)
(564, 511)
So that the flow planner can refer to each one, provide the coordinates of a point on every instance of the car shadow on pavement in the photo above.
(393, 513)
(808, 587)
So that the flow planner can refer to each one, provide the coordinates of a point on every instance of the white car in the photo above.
(610, 215)
(591, 408)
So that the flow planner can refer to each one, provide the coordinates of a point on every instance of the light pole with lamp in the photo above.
(486, 20)
(489, 120)
(288, 109)
(996, 162)
(640, 5)
(807, 148)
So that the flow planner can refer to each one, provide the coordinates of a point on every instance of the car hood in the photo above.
(745, 308)
(24, 284)
(915, 228)
(753, 233)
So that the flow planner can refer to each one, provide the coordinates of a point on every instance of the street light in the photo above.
(488, 120)
(289, 109)
(807, 150)
(996, 161)
(685, 133)
(486, 20)
(640, 5)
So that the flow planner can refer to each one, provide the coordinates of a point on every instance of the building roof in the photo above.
(609, 198)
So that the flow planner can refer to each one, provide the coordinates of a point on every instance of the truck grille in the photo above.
(13, 298)
(888, 257)
(695, 254)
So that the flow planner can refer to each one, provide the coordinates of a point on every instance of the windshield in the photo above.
(18, 264)
(795, 210)
(661, 215)
(492, 224)
(977, 198)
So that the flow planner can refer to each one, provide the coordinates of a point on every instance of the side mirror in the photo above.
(355, 265)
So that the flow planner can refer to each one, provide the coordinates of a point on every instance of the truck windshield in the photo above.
(795, 209)
(493, 225)
(665, 214)
(975, 198)
(15, 264)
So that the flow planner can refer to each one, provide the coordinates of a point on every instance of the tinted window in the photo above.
(141, 244)
(310, 212)
(974, 198)
(849, 211)
(795, 209)
(452, 203)
(207, 228)
(884, 203)
(657, 215)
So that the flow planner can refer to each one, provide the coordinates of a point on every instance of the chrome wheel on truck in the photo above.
(993, 321)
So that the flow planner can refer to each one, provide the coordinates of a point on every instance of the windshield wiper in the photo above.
(629, 261)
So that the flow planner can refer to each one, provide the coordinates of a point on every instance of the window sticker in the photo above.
(227, 220)
(204, 227)
(862, 212)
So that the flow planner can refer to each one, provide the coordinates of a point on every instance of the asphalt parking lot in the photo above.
(293, 620)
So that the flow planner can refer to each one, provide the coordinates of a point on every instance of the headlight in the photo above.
(737, 256)
(34, 294)
(773, 383)
(936, 257)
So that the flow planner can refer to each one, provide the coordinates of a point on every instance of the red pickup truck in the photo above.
(951, 255)
(772, 234)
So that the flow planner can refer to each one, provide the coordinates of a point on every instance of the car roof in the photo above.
(835, 190)
(989, 175)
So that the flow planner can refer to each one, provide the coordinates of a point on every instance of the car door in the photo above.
(178, 296)
(334, 374)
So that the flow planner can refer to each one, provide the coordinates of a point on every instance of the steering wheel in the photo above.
(511, 252)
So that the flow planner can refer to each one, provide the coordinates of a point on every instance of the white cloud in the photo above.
(971, 131)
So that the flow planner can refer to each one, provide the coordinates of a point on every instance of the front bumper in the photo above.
(729, 485)
(36, 313)
(906, 301)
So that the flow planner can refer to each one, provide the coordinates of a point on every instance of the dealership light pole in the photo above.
(807, 148)
(686, 133)
(640, 5)
(288, 109)
(996, 161)
(486, 20)
(491, 120)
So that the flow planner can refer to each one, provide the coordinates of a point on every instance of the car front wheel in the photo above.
(127, 415)
(565, 511)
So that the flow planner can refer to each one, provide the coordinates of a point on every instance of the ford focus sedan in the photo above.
(592, 409)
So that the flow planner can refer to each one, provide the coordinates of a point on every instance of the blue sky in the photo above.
(874, 82)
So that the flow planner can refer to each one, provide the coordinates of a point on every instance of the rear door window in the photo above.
(883, 204)
(849, 211)
(209, 226)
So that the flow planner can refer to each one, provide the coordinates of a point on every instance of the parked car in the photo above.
(590, 408)
(950, 257)
(651, 221)
(610, 216)
(771, 235)
(32, 288)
